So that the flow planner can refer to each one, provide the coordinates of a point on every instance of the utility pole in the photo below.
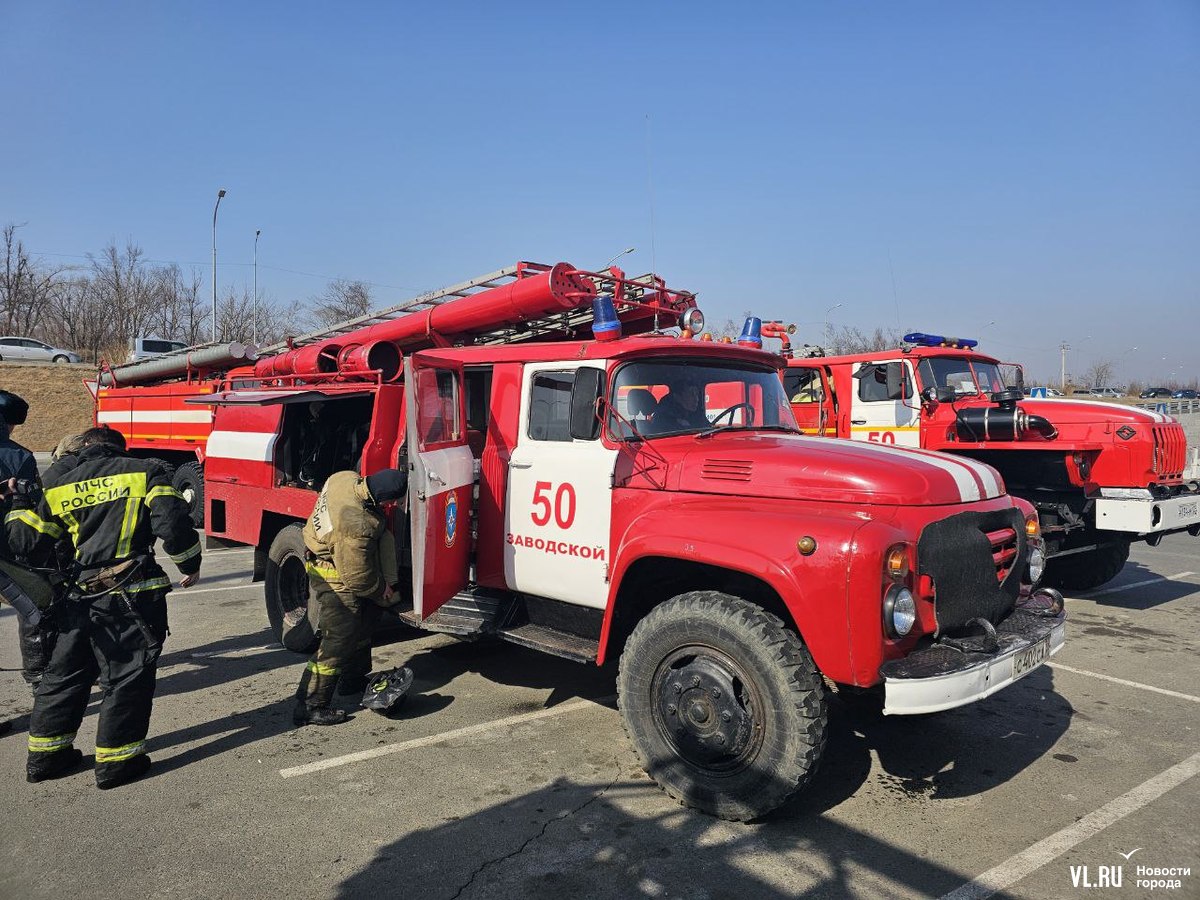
(1064, 348)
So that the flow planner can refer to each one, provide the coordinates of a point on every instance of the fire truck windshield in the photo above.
(674, 397)
(963, 376)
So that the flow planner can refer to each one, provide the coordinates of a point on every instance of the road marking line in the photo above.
(1132, 684)
(233, 587)
(1049, 849)
(1136, 584)
(442, 738)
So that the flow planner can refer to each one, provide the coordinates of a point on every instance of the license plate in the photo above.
(1188, 510)
(1031, 657)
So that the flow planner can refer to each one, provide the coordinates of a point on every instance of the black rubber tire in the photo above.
(1084, 571)
(773, 669)
(293, 620)
(61, 359)
(189, 481)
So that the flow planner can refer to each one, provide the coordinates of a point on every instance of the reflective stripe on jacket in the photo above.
(112, 507)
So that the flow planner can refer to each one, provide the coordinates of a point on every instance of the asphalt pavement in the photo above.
(508, 773)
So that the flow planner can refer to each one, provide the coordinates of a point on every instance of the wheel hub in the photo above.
(701, 711)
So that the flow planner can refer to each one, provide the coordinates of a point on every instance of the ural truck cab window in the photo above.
(675, 397)
(963, 376)
(882, 382)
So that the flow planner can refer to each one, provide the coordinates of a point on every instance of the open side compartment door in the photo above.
(441, 475)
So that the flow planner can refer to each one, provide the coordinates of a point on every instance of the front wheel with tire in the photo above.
(189, 481)
(1087, 570)
(724, 704)
(293, 622)
(61, 359)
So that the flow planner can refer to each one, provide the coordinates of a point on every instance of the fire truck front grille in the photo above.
(976, 560)
(1170, 450)
(727, 469)
(1004, 550)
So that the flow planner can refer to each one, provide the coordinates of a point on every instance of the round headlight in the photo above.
(1037, 565)
(899, 610)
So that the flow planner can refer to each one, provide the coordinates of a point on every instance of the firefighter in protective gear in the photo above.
(351, 573)
(114, 621)
(18, 469)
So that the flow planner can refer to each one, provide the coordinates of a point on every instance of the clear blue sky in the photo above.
(1029, 163)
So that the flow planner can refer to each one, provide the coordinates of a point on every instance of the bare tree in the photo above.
(180, 313)
(342, 299)
(849, 339)
(1100, 374)
(128, 290)
(25, 287)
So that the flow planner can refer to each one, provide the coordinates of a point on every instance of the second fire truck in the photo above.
(1102, 475)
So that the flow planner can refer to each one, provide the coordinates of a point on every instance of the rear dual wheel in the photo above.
(724, 704)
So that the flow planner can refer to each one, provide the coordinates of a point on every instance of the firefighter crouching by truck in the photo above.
(113, 622)
(351, 574)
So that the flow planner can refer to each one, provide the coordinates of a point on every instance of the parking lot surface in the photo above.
(507, 773)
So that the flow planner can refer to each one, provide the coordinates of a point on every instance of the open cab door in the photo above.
(441, 476)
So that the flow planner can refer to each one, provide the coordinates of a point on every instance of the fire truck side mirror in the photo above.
(587, 390)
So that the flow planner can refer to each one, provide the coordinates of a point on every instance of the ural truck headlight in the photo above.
(899, 611)
(1037, 564)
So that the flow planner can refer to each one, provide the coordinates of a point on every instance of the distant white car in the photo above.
(1050, 392)
(32, 349)
(148, 348)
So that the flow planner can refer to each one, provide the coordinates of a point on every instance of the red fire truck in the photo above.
(1102, 475)
(583, 484)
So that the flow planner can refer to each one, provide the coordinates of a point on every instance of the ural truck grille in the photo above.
(1170, 451)
(1004, 550)
(727, 469)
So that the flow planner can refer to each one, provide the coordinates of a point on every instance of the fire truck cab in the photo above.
(1102, 475)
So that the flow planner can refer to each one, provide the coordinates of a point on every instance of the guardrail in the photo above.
(1172, 407)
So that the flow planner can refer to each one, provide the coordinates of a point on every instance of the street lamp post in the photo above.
(618, 256)
(220, 194)
(827, 312)
(254, 315)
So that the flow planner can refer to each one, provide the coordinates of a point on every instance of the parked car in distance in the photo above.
(1153, 393)
(149, 347)
(32, 349)
(1186, 394)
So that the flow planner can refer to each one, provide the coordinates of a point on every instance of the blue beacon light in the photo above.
(605, 324)
(936, 340)
(751, 335)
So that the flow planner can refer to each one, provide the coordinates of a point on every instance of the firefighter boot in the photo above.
(312, 705)
(115, 774)
(56, 764)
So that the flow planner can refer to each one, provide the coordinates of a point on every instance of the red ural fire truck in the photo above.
(583, 484)
(1101, 475)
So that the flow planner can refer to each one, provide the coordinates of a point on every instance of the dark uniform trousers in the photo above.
(347, 624)
(100, 639)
